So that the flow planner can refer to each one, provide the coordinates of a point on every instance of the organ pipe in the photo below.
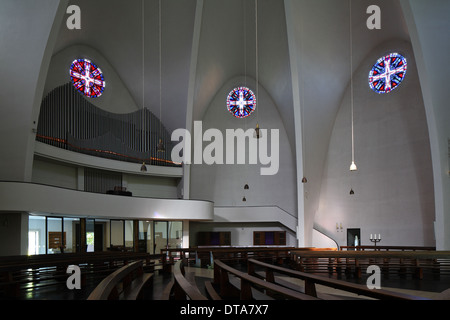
(68, 120)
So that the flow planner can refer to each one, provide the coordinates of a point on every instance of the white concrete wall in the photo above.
(54, 174)
(59, 174)
(428, 24)
(224, 183)
(394, 184)
(116, 97)
(271, 199)
(28, 31)
(153, 187)
(241, 233)
(13, 233)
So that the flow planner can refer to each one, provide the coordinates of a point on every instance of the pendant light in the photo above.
(352, 165)
(246, 186)
(302, 116)
(160, 146)
(143, 167)
(257, 133)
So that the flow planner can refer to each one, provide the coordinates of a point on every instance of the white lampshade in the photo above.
(353, 166)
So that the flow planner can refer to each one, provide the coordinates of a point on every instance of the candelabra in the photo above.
(374, 239)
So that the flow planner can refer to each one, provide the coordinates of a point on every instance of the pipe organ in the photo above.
(68, 120)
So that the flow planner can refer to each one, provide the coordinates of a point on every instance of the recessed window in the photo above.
(241, 102)
(87, 78)
(387, 73)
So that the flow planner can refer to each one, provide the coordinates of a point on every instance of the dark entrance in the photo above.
(98, 237)
(352, 234)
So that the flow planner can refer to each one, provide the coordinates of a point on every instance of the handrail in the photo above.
(247, 281)
(168, 257)
(387, 248)
(183, 287)
(105, 288)
(374, 254)
(12, 263)
(89, 192)
(263, 206)
(312, 280)
(326, 235)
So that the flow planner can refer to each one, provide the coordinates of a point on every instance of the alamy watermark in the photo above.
(374, 280)
(73, 22)
(229, 150)
(74, 280)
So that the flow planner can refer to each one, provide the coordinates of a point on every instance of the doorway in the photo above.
(94, 237)
(352, 235)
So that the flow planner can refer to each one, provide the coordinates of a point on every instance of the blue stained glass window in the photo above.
(387, 73)
(87, 78)
(241, 102)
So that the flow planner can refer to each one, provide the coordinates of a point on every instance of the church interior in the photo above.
(163, 129)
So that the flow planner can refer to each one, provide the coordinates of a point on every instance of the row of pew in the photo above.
(242, 273)
(266, 269)
(25, 276)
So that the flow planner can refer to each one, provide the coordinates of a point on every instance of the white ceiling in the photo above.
(114, 27)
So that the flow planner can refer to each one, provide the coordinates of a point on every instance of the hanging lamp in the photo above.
(257, 133)
(160, 146)
(352, 165)
(143, 166)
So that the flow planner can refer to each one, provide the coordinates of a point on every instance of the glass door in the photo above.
(128, 234)
(175, 234)
(90, 235)
(160, 236)
(56, 237)
(145, 238)
(117, 235)
(36, 235)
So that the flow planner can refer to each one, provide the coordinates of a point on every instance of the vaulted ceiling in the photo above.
(126, 31)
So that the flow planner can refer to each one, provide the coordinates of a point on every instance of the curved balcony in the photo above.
(31, 197)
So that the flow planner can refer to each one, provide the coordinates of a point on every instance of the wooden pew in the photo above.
(205, 255)
(125, 283)
(167, 293)
(20, 273)
(312, 280)
(222, 274)
(400, 262)
(211, 291)
(182, 288)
